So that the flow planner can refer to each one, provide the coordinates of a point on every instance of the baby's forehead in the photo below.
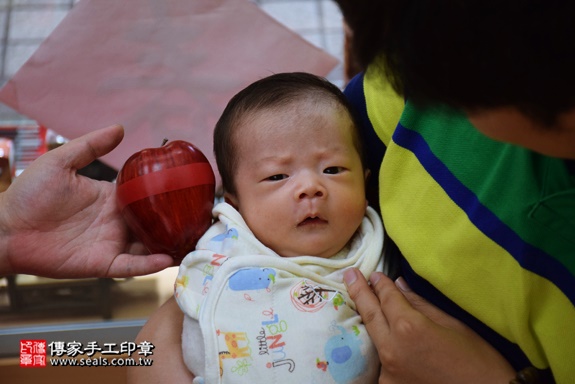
(303, 106)
(289, 118)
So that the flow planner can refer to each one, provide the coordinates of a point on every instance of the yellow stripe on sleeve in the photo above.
(384, 105)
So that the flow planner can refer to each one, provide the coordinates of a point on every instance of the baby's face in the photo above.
(300, 182)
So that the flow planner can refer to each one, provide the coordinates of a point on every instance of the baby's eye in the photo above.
(276, 177)
(333, 170)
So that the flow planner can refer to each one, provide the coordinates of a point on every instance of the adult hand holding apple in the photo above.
(166, 196)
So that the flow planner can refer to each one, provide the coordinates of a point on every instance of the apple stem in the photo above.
(164, 141)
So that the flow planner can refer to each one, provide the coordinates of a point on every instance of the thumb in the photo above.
(426, 308)
(83, 150)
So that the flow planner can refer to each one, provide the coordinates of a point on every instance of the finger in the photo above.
(367, 303)
(394, 304)
(125, 265)
(425, 307)
(81, 151)
(136, 247)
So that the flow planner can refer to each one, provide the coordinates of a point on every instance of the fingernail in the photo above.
(374, 278)
(349, 276)
(402, 284)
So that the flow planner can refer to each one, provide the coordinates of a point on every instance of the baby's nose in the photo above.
(310, 186)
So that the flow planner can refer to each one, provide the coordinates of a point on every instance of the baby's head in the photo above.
(290, 157)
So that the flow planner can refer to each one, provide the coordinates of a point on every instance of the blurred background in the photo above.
(101, 309)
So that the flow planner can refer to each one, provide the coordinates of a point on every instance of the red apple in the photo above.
(166, 195)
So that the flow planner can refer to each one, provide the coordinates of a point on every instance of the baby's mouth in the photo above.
(312, 220)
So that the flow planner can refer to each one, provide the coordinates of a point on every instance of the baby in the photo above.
(263, 293)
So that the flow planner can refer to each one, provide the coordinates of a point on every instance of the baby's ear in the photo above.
(367, 174)
(231, 200)
(368, 189)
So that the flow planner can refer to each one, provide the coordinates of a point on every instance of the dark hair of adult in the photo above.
(472, 54)
(275, 91)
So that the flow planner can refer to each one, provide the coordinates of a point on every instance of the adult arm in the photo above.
(56, 223)
(164, 330)
(417, 342)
